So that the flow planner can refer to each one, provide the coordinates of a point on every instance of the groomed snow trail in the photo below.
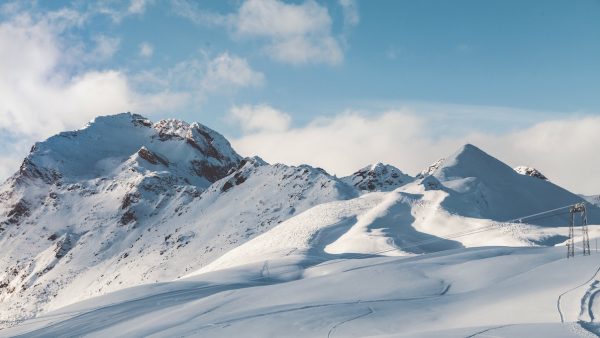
(332, 330)
(586, 312)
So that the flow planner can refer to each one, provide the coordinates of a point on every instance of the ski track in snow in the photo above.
(333, 328)
(228, 322)
(586, 302)
(116, 313)
(571, 290)
(482, 332)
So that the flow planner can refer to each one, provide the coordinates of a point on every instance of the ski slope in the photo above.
(492, 291)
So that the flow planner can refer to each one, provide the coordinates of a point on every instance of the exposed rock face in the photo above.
(529, 171)
(431, 169)
(378, 177)
(17, 213)
(152, 157)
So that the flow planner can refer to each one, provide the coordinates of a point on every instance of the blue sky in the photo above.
(254, 69)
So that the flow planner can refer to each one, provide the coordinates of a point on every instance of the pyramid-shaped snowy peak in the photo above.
(483, 186)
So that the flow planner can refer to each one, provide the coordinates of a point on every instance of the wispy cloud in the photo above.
(200, 76)
(259, 118)
(291, 33)
(191, 11)
(295, 33)
(230, 71)
(146, 50)
(118, 10)
(105, 48)
(350, 10)
(137, 6)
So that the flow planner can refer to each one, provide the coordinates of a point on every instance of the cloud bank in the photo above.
(562, 149)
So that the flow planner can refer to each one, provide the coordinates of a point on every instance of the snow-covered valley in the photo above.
(133, 228)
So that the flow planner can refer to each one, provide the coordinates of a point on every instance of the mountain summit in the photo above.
(483, 186)
(109, 145)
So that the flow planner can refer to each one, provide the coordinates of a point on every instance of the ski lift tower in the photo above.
(579, 210)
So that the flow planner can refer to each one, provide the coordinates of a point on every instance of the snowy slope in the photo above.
(125, 201)
(500, 292)
(439, 212)
(407, 221)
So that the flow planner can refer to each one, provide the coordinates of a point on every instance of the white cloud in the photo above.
(146, 49)
(200, 77)
(259, 118)
(562, 149)
(350, 10)
(296, 33)
(292, 33)
(117, 10)
(137, 6)
(190, 10)
(40, 97)
(226, 72)
(8, 166)
(105, 48)
(344, 143)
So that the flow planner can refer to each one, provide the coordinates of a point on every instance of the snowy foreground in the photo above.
(493, 291)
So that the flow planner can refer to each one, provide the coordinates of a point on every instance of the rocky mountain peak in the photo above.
(190, 151)
(378, 177)
(529, 171)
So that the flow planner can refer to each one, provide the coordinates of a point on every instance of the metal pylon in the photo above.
(584, 229)
(578, 208)
(571, 240)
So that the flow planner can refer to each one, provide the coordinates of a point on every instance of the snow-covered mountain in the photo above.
(125, 201)
(378, 177)
(469, 191)
(483, 187)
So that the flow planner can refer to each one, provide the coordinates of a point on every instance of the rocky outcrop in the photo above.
(378, 177)
(152, 157)
(529, 171)
(431, 169)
